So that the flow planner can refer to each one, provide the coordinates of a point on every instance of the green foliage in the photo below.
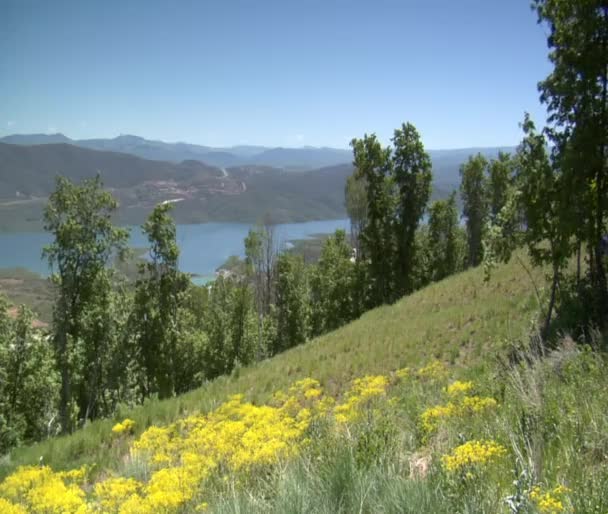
(292, 303)
(333, 286)
(28, 380)
(576, 93)
(398, 187)
(156, 322)
(355, 195)
(85, 242)
(445, 250)
(412, 178)
(373, 165)
(473, 190)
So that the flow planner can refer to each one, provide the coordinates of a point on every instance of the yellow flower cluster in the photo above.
(7, 507)
(237, 436)
(460, 405)
(551, 501)
(362, 392)
(436, 370)
(403, 373)
(473, 453)
(457, 388)
(126, 425)
(35, 489)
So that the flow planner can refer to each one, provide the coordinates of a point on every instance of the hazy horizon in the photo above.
(272, 74)
(229, 146)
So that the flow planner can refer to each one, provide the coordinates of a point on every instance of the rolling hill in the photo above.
(200, 192)
(445, 162)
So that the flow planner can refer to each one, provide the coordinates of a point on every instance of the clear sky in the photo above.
(276, 73)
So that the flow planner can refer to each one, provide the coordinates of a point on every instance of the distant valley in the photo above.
(236, 184)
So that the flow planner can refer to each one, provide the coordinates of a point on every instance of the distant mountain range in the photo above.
(199, 192)
(305, 158)
(241, 183)
(445, 162)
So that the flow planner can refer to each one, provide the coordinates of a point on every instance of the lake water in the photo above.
(204, 247)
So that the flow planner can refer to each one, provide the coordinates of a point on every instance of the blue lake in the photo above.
(204, 247)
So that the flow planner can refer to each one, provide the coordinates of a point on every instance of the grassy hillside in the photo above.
(461, 320)
(433, 404)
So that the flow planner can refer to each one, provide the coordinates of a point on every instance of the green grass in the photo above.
(550, 415)
(462, 321)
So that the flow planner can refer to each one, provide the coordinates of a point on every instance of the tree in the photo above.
(31, 379)
(412, 178)
(261, 252)
(333, 285)
(444, 254)
(576, 95)
(373, 164)
(473, 190)
(541, 196)
(292, 303)
(356, 206)
(159, 294)
(500, 175)
(85, 242)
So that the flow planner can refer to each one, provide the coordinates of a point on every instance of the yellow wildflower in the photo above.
(551, 501)
(473, 453)
(361, 393)
(403, 373)
(459, 388)
(434, 371)
(125, 426)
(7, 507)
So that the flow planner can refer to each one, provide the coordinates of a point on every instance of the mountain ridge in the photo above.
(445, 161)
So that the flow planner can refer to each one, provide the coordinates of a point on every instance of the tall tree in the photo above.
(500, 178)
(576, 95)
(541, 196)
(292, 303)
(356, 206)
(85, 241)
(333, 285)
(261, 253)
(160, 292)
(444, 254)
(373, 164)
(473, 189)
(412, 172)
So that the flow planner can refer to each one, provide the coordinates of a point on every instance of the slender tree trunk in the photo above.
(601, 179)
(547, 324)
(64, 401)
(578, 264)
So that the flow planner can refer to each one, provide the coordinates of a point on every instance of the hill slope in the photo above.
(446, 163)
(461, 320)
(201, 192)
(517, 432)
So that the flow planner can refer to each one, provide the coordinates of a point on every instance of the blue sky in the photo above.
(276, 73)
